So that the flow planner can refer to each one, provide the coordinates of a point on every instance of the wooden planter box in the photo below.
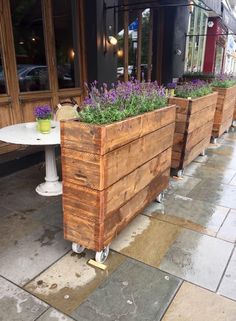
(234, 117)
(194, 121)
(111, 173)
(224, 110)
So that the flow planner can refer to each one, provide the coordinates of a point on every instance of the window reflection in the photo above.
(29, 45)
(66, 38)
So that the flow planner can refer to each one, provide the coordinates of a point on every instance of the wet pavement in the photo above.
(175, 261)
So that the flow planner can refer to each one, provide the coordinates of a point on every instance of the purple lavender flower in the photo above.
(43, 112)
(171, 85)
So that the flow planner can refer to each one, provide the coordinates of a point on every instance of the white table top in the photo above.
(27, 134)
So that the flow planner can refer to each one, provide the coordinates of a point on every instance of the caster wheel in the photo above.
(101, 256)
(77, 248)
(203, 153)
(180, 173)
(214, 140)
(159, 198)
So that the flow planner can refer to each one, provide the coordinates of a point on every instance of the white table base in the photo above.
(51, 186)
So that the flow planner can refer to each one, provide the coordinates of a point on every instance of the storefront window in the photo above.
(133, 44)
(29, 45)
(2, 77)
(66, 38)
(196, 41)
(219, 59)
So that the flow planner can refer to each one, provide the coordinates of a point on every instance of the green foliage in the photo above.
(194, 89)
(226, 83)
(125, 100)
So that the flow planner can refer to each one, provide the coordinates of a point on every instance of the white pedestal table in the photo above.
(27, 134)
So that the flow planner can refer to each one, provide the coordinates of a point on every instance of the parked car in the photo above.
(32, 77)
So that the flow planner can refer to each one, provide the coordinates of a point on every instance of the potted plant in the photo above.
(115, 160)
(43, 116)
(195, 111)
(226, 88)
(170, 89)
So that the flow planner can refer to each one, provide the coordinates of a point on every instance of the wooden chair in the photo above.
(66, 110)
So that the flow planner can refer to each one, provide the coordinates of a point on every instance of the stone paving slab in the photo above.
(219, 194)
(205, 172)
(233, 181)
(193, 214)
(68, 282)
(54, 315)
(51, 214)
(193, 303)
(133, 292)
(189, 255)
(228, 284)
(33, 253)
(18, 192)
(228, 230)
(18, 305)
(5, 211)
(197, 258)
(182, 186)
(14, 227)
(146, 239)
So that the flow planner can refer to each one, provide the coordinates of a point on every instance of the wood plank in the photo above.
(89, 137)
(197, 120)
(95, 236)
(182, 105)
(123, 190)
(194, 121)
(196, 150)
(198, 135)
(115, 223)
(224, 110)
(85, 169)
(203, 102)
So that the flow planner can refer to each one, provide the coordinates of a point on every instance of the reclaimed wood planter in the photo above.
(194, 121)
(224, 110)
(234, 117)
(111, 172)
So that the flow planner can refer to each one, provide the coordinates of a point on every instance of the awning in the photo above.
(214, 5)
(228, 19)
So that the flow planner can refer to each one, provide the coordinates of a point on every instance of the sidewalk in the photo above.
(175, 261)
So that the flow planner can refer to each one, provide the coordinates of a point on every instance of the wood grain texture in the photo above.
(224, 110)
(234, 117)
(105, 188)
(194, 121)
(100, 140)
